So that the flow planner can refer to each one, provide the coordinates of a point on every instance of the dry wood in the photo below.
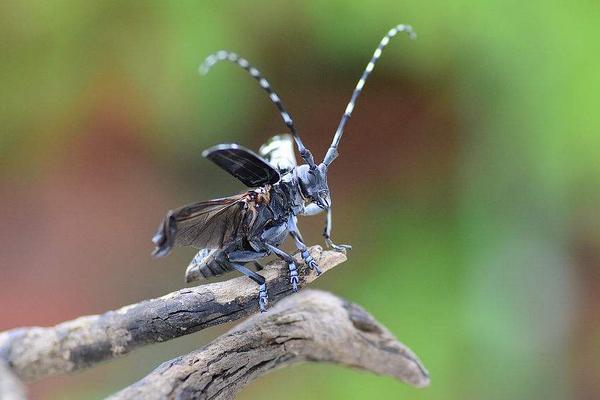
(309, 326)
(11, 387)
(34, 353)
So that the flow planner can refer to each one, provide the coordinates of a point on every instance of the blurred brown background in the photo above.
(467, 181)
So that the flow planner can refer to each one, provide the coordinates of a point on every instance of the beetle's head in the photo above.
(313, 184)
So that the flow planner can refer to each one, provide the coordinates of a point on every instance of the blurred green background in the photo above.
(468, 180)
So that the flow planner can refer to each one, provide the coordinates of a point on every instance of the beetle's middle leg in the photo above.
(271, 238)
(290, 262)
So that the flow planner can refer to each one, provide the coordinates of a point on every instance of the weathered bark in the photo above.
(34, 353)
(309, 326)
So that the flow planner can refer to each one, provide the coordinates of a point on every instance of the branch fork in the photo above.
(308, 326)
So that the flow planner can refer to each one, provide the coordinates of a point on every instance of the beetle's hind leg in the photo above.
(293, 276)
(237, 259)
(263, 298)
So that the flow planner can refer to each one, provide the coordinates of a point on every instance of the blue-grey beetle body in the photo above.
(234, 231)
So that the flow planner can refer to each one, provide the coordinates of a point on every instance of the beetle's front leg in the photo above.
(327, 234)
(310, 262)
(312, 209)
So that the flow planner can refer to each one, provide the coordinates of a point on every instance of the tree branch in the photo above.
(34, 353)
(11, 387)
(309, 326)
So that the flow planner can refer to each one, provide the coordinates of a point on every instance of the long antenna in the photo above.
(332, 152)
(223, 55)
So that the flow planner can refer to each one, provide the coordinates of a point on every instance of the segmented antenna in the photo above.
(332, 152)
(223, 55)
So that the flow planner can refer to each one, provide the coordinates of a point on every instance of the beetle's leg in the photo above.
(312, 209)
(327, 234)
(293, 276)
(308, 259)
(263, 299)
(238, 257)
(244, 256)
(290, 262)
(293, 229)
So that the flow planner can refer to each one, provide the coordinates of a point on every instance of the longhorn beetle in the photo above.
(234, 231)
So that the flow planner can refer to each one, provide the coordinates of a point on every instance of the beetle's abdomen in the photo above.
(207, 263)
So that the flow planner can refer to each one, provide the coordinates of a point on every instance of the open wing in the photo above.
(204, 225)
(244, 164)
(279, 152)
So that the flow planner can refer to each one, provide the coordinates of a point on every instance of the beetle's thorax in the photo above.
(287, 194)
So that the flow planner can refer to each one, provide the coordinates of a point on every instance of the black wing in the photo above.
(244, 164)
(206, 225)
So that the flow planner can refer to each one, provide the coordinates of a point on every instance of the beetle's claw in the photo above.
(312, 264)
(293, 276)
(337, 247)
(294, 281)
(263, 298)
